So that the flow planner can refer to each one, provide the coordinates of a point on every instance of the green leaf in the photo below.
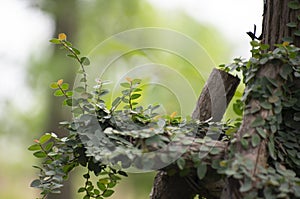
(263, 60)
(101, 186)
(79, 89)
(69, 93)
(244, 143)
(55, 41)
(266, 105)
(261, 132)
(77, 52)
(135, 96)
(44, 138)
(255, 140)
(297, 33)
(35, 183)
(180, 163)
(34, 147)
(58, 93)
(65, 86)
(108, 193)
(294, 5)
(136, 81)
(116, 101)
(68, 102)
(122, 173)
(201, 171)
(292, 24)
(81, 189)
(72, 56)
(86, 197)
(54, 85)
(40, 154)
(85, 61)
(271, 149)
(264, 46)
(125, 85)
(112, 184)
(246, 186)
(285, 71)
(297, 117)
(259, 121)
(49, 146)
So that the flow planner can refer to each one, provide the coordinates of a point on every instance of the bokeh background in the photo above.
(29, 63)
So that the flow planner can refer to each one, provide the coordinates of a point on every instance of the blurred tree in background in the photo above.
(88, 23)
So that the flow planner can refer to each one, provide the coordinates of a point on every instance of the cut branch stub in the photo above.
(212, 103)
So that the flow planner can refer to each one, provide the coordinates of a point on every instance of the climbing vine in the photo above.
(107, 139)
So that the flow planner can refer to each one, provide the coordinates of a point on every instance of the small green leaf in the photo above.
(271, 149)
(44, 138)
(297, 117)
(86, 197)
(297, 33)
(266, 105)
(79, 89)
(116, 101)
(35, 183)
(34, 147)
(180, 163)
(285, 71)
(294, 5)
(58, 93)
(81, 189)
(77, 52)
(246, 186)
(263, 60)
(136, 81)
(108, 193)
(49, 146)
(135, 96)
(85, 61)
(69, 93)
(68, 102)
(201, 171)
(255, 140)
(54, 85)
(264, 46)
(101, 186)
(122, 173)
(125, 85)
(65, 86)
(261, 132)
(259, 121)
(244, 143)
(40, 154)
(292, 24)
(55, 41)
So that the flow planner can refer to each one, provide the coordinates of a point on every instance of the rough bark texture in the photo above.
(215, 96)
(276, 16)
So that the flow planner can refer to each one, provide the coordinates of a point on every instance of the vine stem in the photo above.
(79, 61)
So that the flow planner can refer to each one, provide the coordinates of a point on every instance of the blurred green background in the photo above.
(28, 108)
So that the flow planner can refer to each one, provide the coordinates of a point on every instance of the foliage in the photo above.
(109, 139)
(279, 97)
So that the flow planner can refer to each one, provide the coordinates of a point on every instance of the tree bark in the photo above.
(214, 98)
(277, 15)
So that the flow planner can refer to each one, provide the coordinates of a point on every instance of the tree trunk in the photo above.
(215, 96)
(64, 13)
(277, 15)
